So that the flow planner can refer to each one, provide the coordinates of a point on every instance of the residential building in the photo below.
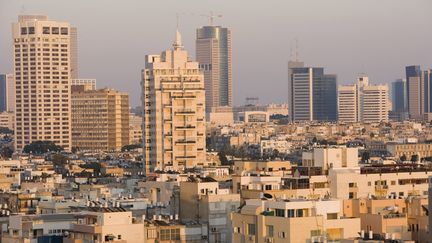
(213, 53)
(420, 150)
(173, 98)
(203, 201)
(135, 129)
(380, 181)
(100, 120)
(331, 157)
(42, 64)
(313, 94)
(7, 119)
(430, 206)
(279, 220)
(83, 84)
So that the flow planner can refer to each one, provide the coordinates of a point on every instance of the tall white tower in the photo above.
(173, 98)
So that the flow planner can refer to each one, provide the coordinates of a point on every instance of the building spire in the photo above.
(178, 41)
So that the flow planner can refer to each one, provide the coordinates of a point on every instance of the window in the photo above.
(332, 216)
(291, 213)
(351, 195)
(31, 30)
(280, 212)
(314, 233)
(269, 230)
(251, 229)
(23, 30)
(45, 30)
(299, 213)
(55, 30)
(281, 234)
(64, 31)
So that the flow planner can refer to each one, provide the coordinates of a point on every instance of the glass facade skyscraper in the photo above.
(3, 93)
(213, 53)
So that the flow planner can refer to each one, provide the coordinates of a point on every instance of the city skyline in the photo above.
(339, 31)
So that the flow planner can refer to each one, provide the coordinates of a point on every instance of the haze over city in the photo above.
(346, 37)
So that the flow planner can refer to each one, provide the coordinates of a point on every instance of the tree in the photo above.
(363, 131)
(59, 160)
(414, 158)
(41, 147)
(5, 130)
(223, 159)
(6, 152)
(403, 158)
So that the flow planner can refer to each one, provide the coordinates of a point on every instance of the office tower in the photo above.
(213, 53)
(348, 104)
(415, 92)
(313, 95)
(42, 67)
(100, 120)
(363, 102)
(83, 84)
(74, 52)
(173, 98)
(7, 93)
(3, 95)
(399, 100)
(292, 64)
(399, 95)
(427, 81)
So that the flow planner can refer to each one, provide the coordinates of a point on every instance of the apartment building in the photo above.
(292, 221)
(83, 84)
(331, 157)
(100, 120)
(381, 181)
(7, 119)
(173, 98)
(42, 65)
(203, 201)
(7, 93)
(421, 150)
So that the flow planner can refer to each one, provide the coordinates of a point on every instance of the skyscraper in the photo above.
(3, 95)
(42, 57)
(399, 96)
(362, 102)
(415, 92)
(213, 53)
(427, 81)
(313, 94)
(173, 98)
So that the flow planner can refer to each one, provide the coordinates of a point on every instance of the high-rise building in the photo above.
(3, 95)
(100, 120)
(313, 94)
(173, 98)
(363, 102)
(415, 92)
(74, 52)
(42, 64)
(374, 100)
(348, 105)
(419, 91)
(399, 96)
(213, 53)
(7, 93)
(399, 110)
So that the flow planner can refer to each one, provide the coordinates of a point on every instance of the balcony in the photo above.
(185, 128)
(87, 228)
(185, 112)
(185, 142)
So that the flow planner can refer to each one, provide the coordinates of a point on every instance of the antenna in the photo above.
(296, 50)
(177, 20)
(211, 17)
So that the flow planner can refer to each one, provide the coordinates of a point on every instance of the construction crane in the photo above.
(211, 17)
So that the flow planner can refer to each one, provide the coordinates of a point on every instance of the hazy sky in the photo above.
(347, 37)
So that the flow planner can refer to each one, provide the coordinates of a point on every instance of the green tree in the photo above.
(59, 160)
(403, 158)
(5, 130)
(41, 147)
(130, 147)
(6, 152)
(414, 158)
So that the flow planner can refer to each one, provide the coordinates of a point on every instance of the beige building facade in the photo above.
(42, 64)
(173, 98)
(100, 120)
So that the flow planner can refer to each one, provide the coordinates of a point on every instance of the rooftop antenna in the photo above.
(211, 17)
(178, 20)
(297, 50)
